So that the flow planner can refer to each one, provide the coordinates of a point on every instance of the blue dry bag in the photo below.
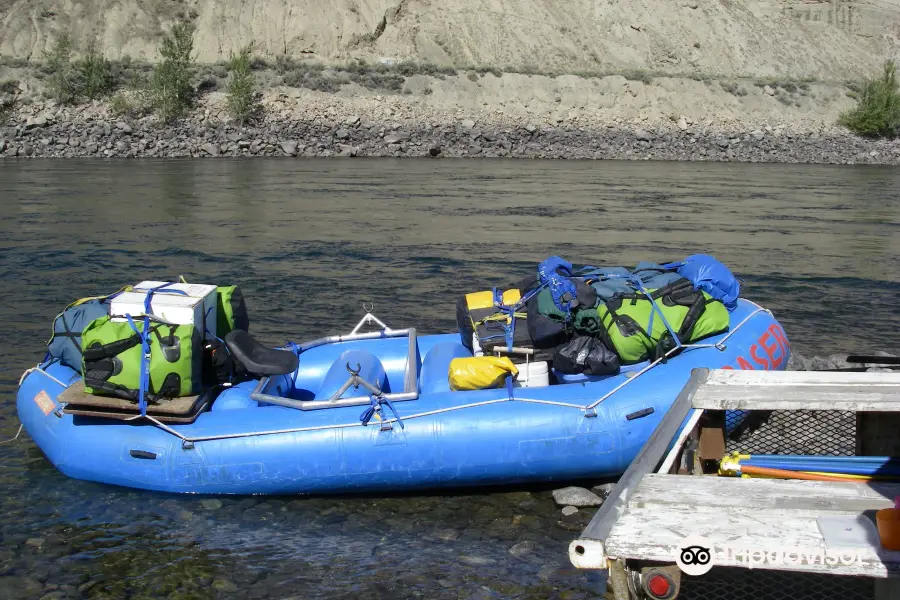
(711, 276)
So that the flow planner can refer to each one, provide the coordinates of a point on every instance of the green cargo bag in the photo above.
(231, 311)
(112, 360)
(637, 332)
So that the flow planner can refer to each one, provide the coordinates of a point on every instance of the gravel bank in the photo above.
(334, 126)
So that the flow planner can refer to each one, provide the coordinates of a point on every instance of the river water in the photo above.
(309, 242)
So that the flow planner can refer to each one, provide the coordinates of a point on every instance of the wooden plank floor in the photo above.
(799, 390)
(173, 410)
(763, 514)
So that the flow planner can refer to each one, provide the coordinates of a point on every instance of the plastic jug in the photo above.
(888, 521)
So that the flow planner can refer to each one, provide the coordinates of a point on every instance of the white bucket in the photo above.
(532, 374)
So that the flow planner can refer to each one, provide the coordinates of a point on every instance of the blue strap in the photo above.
(367, 414)
(656, 310)
(145, 355)
(145, 344)
(509, 387)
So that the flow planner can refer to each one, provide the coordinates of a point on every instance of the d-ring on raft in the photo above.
(297, 427)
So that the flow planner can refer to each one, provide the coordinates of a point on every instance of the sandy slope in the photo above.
(828, 39)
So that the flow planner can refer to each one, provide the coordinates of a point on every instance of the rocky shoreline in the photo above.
(92, 131)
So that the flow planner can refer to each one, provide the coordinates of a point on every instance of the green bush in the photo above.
(63, 80)
(94, 75)
(878, 112)
(171, 93)
(242, 87)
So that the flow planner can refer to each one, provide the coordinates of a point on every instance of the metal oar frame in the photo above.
(411, 379)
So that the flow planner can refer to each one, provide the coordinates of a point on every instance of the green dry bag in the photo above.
(231, 311)
(637, 332)
(112, 359)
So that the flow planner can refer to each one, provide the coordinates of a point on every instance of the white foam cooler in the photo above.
(196, 306)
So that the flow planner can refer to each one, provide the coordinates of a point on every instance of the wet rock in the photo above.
(28, 150)
(21, 588)
(434, 150)
(523, 548)
(569, 511)
(289, 147)
(211, 504)
(476, 561)
(603, 490)
(448, 535)
(224, 585)
(348, 151)
(576, 496)
(35, 542)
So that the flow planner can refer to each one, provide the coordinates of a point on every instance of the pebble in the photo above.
(569, 511)
(476, 561)
(576, 496)
(523, 548)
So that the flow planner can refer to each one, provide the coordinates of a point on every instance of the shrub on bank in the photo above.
(878, 112)
(242, 87)
(171, 93)
(90, 77)
(94, 75)
(62, 82)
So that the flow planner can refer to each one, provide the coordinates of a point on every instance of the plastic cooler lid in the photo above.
(194, 290)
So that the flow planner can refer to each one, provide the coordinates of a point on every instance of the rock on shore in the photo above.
(45, 130)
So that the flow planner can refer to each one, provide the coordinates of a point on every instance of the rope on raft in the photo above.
(15, 437)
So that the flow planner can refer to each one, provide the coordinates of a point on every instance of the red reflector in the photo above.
(659, 586)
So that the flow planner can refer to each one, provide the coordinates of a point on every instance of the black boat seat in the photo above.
(258, 359)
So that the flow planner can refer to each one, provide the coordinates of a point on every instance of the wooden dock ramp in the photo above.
(672, 489)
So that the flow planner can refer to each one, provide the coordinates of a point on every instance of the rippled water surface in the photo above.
(309, 242)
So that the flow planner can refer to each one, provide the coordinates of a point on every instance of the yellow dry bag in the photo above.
(480, 372)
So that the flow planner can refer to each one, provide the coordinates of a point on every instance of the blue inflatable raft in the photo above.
(319, 429)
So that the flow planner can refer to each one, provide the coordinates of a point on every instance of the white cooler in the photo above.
(197, 306)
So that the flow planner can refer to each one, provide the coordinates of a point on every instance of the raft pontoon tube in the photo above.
(374, 412)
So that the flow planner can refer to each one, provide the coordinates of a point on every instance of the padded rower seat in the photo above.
(258, 359)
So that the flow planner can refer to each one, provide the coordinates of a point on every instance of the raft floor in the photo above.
(175, 410)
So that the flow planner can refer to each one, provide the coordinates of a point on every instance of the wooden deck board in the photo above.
(799, 390)
(174, 410)
(759, 514)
